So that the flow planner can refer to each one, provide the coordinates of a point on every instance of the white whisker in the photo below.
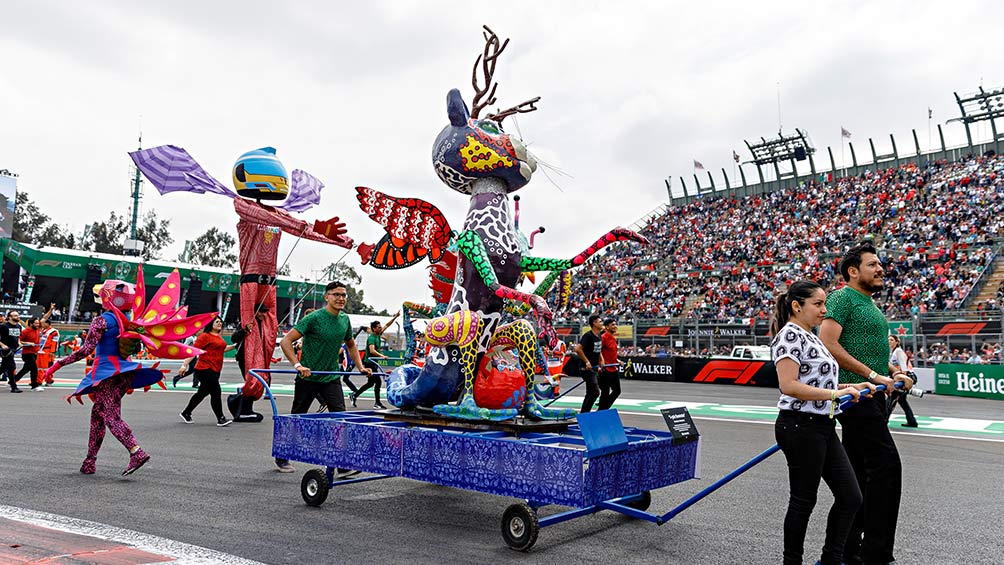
(548, 177)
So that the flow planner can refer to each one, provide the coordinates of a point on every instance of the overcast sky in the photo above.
(355, 93)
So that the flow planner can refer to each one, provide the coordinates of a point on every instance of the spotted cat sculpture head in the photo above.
(471, 147)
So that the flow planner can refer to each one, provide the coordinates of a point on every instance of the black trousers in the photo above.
(610, 388)
(373, 381)
(304, 393)
(209, 385)
(899, 397)
(30, 366)
(810, 444)
(875, 459)
(592, 388)
(8, 368)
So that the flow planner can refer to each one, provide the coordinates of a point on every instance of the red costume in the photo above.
(258, 231)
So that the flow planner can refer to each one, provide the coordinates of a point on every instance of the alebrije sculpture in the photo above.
(473, 156)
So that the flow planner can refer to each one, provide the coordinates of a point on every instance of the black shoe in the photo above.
(223, 421)
(16, 390)
(353, 398)
(186, 417)
(379, 406)
(234, 404)
(174, 381)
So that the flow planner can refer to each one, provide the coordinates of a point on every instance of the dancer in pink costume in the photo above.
(113, 338)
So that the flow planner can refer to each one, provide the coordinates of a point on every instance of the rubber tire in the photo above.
(642, 503)
(520, 526)
(314, 487)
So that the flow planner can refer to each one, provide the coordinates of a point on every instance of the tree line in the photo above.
(214, 248)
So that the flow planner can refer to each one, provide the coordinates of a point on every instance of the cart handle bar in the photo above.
(844, 400)
(271, 398)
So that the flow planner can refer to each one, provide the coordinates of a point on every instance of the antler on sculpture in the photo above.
(485, 96)
(522, 108)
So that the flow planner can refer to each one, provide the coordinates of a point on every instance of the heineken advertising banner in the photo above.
(980, 381)
(903, 329)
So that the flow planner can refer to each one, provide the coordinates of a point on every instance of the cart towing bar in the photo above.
(845, 400)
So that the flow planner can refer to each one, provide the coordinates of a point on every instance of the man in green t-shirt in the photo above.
(323, 332)
(855, 331)
(373, 344)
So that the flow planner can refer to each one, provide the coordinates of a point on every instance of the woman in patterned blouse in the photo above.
(805, 431)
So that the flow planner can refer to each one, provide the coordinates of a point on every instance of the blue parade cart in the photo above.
(590, 466)
(594, 465)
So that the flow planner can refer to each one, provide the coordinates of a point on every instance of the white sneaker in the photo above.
(38, 389)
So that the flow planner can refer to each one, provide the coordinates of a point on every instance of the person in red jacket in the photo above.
(609, 377)
(207, 370)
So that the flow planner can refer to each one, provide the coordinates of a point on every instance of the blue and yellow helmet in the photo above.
(260, 175)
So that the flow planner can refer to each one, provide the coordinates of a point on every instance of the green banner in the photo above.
(903, 329)
(980, 381)
(72, 264)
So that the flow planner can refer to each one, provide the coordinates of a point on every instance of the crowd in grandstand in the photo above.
(723, 257)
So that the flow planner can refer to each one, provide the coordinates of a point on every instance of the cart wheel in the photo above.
(520, 527)
(314, 487)
(642, 503)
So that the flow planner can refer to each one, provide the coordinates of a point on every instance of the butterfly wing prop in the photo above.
(415, 228)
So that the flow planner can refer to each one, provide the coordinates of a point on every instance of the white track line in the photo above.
(183, 553)
(771, 423)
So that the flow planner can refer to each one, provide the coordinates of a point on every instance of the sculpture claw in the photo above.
(534, 409)
(466, 409)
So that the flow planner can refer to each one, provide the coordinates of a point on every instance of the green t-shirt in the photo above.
(865, 332)
(373, 340)
(323, 335)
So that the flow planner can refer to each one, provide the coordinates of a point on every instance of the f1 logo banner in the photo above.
(745, 372)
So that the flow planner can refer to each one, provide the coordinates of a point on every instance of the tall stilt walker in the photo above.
(257, 175)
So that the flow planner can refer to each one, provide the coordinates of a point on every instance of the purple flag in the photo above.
(171, 169)
(304, 192)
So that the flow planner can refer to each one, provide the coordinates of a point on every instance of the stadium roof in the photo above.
(44, 261)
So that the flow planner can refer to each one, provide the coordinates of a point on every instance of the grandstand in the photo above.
(717, 258)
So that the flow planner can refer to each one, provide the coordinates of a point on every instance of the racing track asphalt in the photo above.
(217, 488)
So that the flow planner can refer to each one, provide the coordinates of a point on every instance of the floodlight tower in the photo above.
(981, 106)
(132, 245)
(790, 148)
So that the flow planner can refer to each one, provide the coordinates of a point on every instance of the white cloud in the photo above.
(355, 94)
